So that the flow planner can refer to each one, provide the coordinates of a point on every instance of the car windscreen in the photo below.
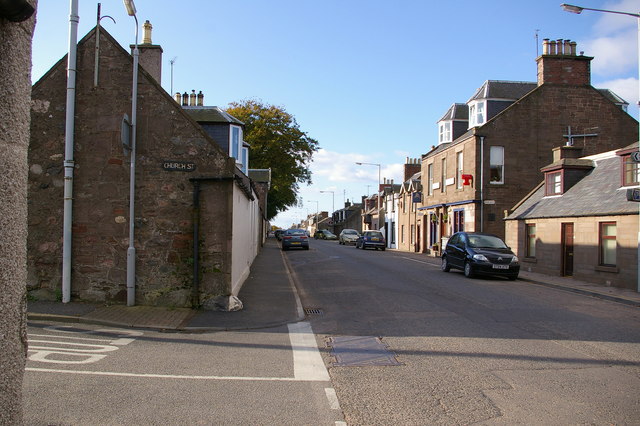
(296, 232)
(350, 232)
(486, 241)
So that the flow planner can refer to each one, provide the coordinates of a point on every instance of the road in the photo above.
(483, 350)
(389, 339)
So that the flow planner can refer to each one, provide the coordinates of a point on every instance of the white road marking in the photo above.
(307, 362)
(46, 356)
(168, 376)
(420, 261)
(333, 398)
(82, 347)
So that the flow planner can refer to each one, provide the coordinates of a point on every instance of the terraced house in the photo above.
(478, 172)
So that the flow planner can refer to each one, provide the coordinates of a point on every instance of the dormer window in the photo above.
(445, 131)
(476, 114)
(553, 183)
(631, 175)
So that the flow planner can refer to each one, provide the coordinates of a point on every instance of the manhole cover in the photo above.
(353, 351)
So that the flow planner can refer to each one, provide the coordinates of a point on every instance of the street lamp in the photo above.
(378, 192)
(131, 251)
(578, 9)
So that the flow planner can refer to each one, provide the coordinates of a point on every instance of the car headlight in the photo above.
(515, 259)
(480, 257)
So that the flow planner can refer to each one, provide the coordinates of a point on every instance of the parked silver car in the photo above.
(348, 236)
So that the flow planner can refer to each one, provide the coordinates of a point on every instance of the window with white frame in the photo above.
(445, 131)
(530, 235)
(430, 179)
(496, 164)
(234, 149)
(459, 170)
(607, 243)
(631, 171)
(476, 114)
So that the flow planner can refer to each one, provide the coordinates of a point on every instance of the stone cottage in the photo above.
(197, 215)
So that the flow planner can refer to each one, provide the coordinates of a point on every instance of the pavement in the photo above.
(270, 299)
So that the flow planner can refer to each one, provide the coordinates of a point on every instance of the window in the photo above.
(607, 243)
(445, 132)
(458, 220)
(459, 170)
(530, 247)
(393, 232)
(443, 177)
(235, 142)
(553, 183)
(430, 179)
(402, 234)
(496, 164)
(631, 171)
(476, 114)
(413, 231)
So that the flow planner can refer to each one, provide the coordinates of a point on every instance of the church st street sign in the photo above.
(178, 166)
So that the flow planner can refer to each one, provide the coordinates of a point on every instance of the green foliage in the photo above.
(277, 143)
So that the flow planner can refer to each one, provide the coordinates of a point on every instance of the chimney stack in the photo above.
(559, 64)
(150, 55)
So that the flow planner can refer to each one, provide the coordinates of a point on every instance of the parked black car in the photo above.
(478, 253)
(371, 239)
(278, 233)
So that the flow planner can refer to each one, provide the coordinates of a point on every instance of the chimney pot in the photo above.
(200, 98)
(185, 99)
(146, 32)
(573, 48)
(559, 46)
(552, 47)
(192, 98)
(567, 47)
(545, 46)
(177, 97)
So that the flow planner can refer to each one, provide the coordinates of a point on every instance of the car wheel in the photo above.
(468, 271)
(512, 277)
(382, 248)
(445, 265)
(284, 249)
(306, 248)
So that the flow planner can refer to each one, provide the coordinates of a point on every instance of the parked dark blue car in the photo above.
(373, 239)
(482, 254)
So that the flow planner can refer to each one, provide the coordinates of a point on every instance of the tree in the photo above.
(277, 143)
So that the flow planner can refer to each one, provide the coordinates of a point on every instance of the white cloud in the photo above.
(342, 167)
(615, 54)
(626, 88)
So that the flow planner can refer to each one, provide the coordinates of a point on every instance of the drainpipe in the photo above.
(481, 183)
(68, 151)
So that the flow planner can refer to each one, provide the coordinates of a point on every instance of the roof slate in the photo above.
(497, 89)
(210, 114)
(597, 194)
(456, 112)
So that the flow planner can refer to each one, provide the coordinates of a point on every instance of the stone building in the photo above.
(471, 178)
(578, 222)
(197, 216)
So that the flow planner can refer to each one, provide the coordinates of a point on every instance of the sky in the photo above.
(367, 79)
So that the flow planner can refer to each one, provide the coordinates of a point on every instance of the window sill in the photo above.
(612, 269)
(530, 260)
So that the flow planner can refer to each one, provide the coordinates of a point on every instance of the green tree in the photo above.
(277, 143)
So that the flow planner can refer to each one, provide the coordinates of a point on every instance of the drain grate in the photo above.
(313, 311)
(361, 351)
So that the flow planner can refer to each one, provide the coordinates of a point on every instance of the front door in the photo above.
(417, 249)
(567, 249)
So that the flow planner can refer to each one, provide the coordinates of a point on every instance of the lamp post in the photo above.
(131, 251)
(578, 9)
(378, 191)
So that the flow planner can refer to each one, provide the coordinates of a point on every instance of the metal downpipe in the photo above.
(68, 151)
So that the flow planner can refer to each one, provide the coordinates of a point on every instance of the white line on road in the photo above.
(333, 398)
(166, 376)
(307, 362)
(420, 261)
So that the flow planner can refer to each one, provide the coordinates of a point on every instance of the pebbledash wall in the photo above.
(164, 216)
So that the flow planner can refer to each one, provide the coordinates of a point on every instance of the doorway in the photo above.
(567, 250)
